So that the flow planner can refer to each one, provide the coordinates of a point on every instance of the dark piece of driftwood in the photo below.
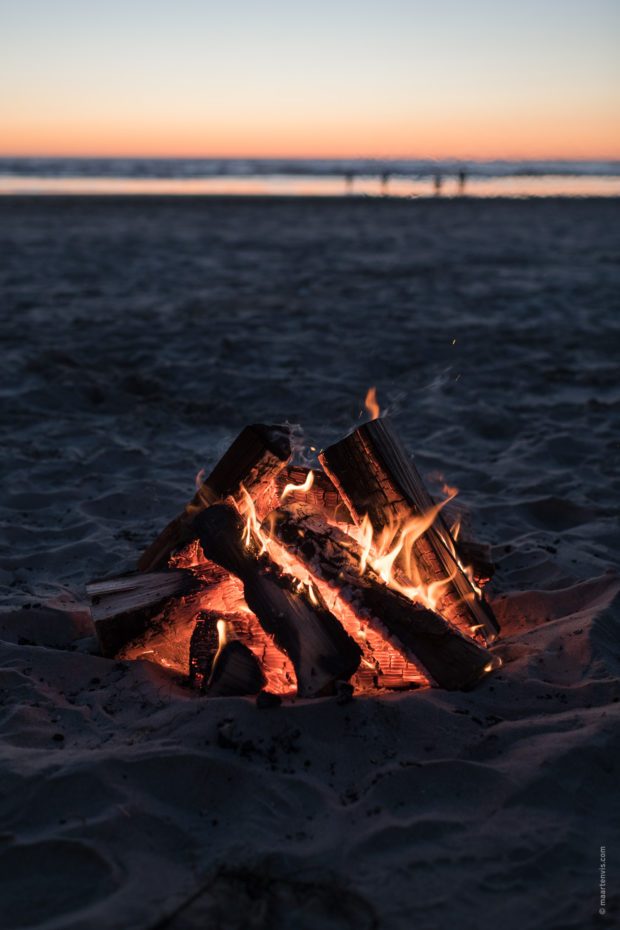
(222, 668)
(375, 476)
(317, 645)
(122, 608)
(254, 460)
(321, 495)
(452, 661)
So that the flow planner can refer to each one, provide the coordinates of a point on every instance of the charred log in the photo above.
(477, 559)
(123, 607)
(254, 460)
(130, 628)
(203, 647)
(375, 476)
(475, 556)
(236, 671)
(322, 494)
(451, 660)
(222, 668)
(300, 623)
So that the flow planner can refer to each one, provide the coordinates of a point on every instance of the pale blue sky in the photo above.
(241, 71)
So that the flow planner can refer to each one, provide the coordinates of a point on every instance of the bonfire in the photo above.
(281, 580)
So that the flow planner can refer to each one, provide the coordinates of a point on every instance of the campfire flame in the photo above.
(388, 553)
(223, 637)
(391, 555)
(253, 527)
(302, 488)
(371, 404)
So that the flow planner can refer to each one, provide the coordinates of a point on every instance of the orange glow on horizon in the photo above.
(408, 80)
(457, 136)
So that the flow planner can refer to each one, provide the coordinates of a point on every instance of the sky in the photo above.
(327, 78)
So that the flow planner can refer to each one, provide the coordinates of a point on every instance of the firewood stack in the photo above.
(282, 579)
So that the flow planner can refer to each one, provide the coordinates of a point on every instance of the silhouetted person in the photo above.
(348, 180)
(437, 183)
(385, 177)
(462, 179)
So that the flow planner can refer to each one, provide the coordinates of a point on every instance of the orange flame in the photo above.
(252, 526)
(371, 403)
(365, 541)
(289, 488)
(222, 637)
(398, 539)
(389, 552)
(449, 491)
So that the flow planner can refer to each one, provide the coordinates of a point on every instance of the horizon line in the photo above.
(297, 157)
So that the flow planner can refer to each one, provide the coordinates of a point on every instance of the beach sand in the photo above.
(139, 336)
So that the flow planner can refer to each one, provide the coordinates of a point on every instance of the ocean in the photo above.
(318, 177)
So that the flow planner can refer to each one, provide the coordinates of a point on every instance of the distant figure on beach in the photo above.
(348, 180)
(385, 178)
(437, 183)
(462, 178)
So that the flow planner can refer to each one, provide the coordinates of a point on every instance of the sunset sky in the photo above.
(349, 78)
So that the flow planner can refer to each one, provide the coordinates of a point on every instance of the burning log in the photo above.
(452, 661)
(320, 494)
(152, 615)
(300, 623)
(236, 671)
(253, 461)
(123, 607)
(268, 591)
(243, 626)
(203, 648)
(378, 481)
(476, 556)
(220, 666)
(299, 485)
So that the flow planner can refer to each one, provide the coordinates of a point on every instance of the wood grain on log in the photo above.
(451, 660)
(254, 460)
(375, 476)
(317, 645)
(123, 607)
(322, 495)
(220, 668)
(152, 615)
(243, 625)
